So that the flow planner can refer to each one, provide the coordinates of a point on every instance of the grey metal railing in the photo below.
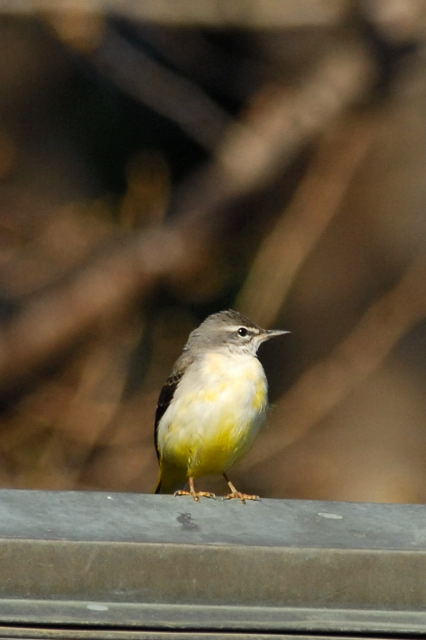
(137, 566)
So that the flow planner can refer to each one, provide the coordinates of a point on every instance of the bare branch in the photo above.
(55, 318)
(261, 145)
(314, 204)
(161, 89)
(339, 80)
(251, 155)
(209, 13)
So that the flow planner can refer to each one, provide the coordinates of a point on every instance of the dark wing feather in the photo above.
(168, 391)
(165, 398)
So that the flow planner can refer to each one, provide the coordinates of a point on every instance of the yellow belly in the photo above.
(214, 418)
(213, 451)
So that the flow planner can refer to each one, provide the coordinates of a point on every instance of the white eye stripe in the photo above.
(233, 328)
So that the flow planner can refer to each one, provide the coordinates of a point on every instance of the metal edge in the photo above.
(107, 615)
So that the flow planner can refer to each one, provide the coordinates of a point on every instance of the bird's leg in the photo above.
(237, 494)
(192, 492)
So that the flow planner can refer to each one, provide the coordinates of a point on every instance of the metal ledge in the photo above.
(157, 563)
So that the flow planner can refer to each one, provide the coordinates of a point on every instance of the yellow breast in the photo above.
(215, 414)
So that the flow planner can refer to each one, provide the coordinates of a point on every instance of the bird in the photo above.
(212, 405)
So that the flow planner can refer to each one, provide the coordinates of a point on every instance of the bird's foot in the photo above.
(237, 495)
(195, 494)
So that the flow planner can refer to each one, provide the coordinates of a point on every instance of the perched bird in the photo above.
(212, 405)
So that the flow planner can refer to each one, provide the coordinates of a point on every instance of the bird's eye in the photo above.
(242, 331)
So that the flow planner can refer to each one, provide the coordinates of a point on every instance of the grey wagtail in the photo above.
(212, 405)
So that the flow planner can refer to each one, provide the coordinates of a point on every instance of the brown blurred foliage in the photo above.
(165, 164)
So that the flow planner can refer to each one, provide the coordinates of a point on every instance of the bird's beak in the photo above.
(273, 333)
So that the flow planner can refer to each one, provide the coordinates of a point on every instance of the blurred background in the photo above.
(160, 161)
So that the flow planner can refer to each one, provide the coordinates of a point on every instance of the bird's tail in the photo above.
(171, 478)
